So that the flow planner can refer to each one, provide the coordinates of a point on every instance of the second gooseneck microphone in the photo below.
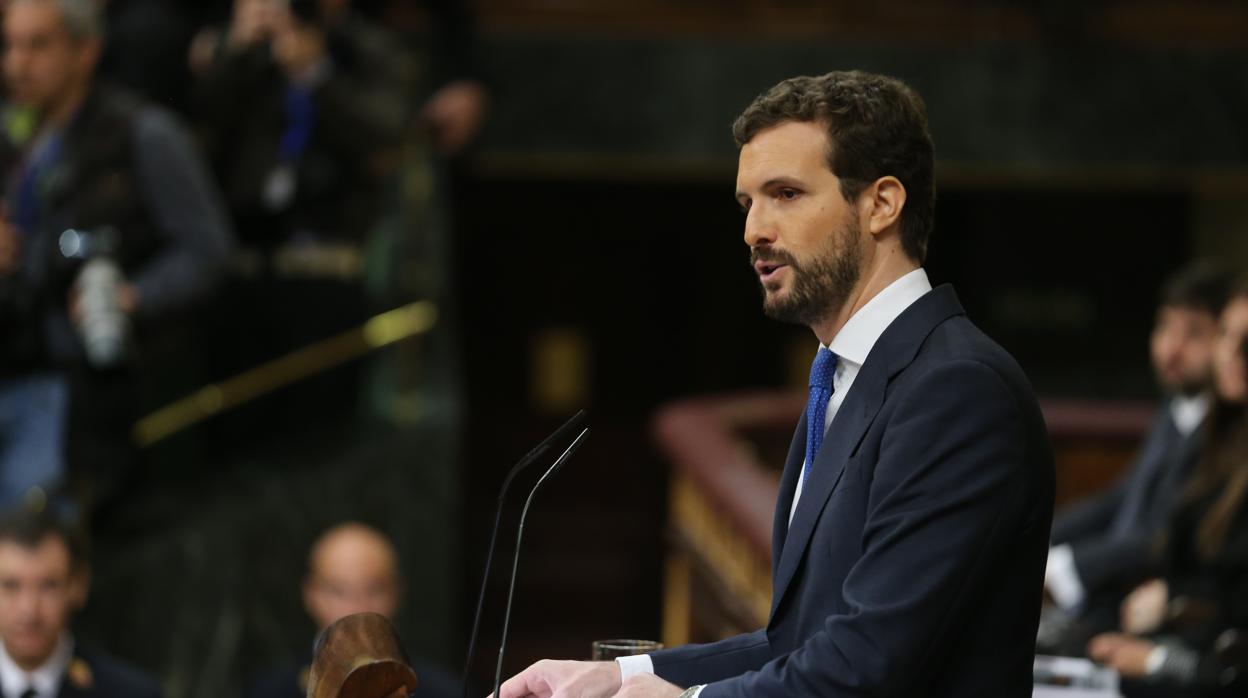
(515, 563)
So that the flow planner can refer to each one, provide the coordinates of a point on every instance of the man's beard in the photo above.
(1187, 385)
(821, 286)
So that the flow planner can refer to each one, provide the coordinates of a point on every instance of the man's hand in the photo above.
(564, 679)
(127, 301)
(252, 22)
(10, 248)
(299, 48)
(648, 686)
(1145, 608)
(1129, 655)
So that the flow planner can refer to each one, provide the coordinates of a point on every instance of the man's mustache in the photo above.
(771, 255)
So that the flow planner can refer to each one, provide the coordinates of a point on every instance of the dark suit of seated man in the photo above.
(913, 517)
(1103, 547)
(43, 580)
(352, 568)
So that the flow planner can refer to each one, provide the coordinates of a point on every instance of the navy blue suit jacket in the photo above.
(104, 677)
(914, 563)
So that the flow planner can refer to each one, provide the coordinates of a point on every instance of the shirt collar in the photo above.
(1189, 412)
(855, 340)
(46, 679)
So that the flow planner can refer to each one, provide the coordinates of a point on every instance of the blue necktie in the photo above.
(821, 372)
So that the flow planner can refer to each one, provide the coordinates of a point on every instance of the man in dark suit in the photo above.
(1103, 547)
(43, 580)
(914, 510)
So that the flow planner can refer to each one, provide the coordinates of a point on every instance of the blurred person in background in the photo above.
(1186, 633)
(43, 581)
(352, 568)
(110, 229)
(1103, 547)
(459, 101)
(301, 107)
(305, 108)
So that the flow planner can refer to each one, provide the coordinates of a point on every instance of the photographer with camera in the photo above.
(110, 227)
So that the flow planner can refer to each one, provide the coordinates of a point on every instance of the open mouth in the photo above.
(768, 270)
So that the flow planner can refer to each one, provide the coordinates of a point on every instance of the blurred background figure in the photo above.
(1087, 152)
(111, 228)
(44, 579)
(308, 111)
(1103, 546)
(352, 568)
(1186, 634)
(301, 107)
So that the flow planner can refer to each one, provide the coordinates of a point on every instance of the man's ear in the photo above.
(884, 199)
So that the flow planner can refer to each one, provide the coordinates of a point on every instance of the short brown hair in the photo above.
(1203, 285)
(29, 529)
(877, 126)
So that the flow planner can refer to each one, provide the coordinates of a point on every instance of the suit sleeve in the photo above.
(1102, 559)
(949, 493)
(696, 664)
(188, 212)
(1091, 517)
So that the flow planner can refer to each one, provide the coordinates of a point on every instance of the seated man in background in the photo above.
(43, 580)
(1185, 634)
(110, 230)
(1103, 547)
(352, 568)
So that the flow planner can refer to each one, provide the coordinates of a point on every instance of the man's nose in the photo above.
(759, 228)
(27, 606)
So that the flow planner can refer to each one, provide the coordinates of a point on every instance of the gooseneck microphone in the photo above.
(515, 562)
(559, 434)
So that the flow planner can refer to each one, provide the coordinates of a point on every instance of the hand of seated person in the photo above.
(1124, 653)
(1145, 608)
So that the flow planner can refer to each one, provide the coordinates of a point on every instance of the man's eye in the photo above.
(788, 194)
(745, 206)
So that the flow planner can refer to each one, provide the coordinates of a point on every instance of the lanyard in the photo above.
(41, 158)
(300, 113)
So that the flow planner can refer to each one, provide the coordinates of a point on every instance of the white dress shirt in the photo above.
(852, 345)
(46, 679)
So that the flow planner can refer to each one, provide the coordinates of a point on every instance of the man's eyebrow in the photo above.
(780, 181)
(774, 182)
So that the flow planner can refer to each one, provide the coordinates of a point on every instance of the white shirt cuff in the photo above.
(1156, 658)
(1062, 579)
(699, 691)
(634, 665)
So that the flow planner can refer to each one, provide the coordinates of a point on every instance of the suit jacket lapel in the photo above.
(894, 350)
(841, 440)
(784, 501)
